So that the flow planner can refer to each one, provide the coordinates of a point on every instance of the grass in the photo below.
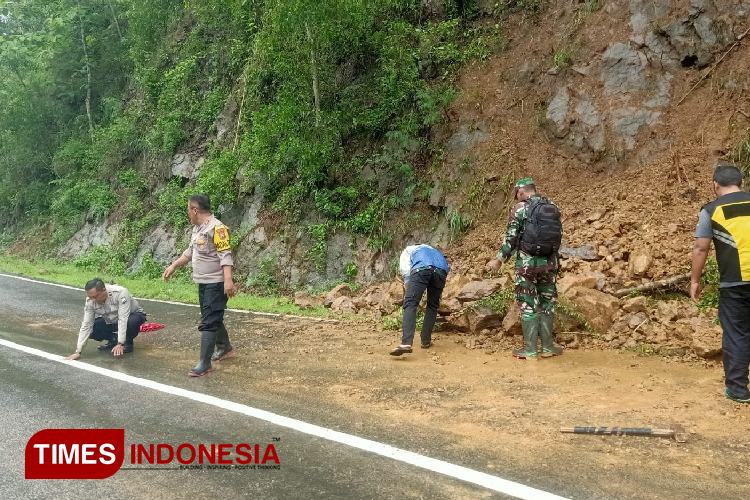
(563, 58)
(178, 289)
(499, 302)
(568, 309)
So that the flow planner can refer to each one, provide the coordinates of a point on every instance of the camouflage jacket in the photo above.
(516, 223)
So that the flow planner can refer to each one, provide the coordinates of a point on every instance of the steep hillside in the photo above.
(329, 141)
(620, 115)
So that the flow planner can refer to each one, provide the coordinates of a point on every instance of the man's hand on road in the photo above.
(117, 350)
(73, 356)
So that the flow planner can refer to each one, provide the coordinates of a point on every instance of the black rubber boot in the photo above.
(224, 348)
(208, 342)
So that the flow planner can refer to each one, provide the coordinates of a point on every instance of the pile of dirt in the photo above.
(629, 192)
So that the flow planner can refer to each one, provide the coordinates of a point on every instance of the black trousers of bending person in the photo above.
(431, 280)
(734, 315)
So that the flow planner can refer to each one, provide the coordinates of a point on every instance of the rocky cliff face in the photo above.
(575, 94)
(610, 104)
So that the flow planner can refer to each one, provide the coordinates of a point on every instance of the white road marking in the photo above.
(465, 474)
(242, 311)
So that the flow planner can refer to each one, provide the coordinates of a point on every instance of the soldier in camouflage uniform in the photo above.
(536, 292)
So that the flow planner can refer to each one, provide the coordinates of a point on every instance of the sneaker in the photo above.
(401, 350)
(127, 347)
(730, 395)
(426, 346)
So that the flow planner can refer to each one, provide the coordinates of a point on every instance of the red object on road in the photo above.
(151, 327)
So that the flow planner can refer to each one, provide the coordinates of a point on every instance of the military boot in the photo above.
(224, 348)
(530, 335)
(208, 342)
(549, 348)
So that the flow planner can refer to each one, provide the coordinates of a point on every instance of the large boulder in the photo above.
(640, 262)
(576, 280)
(635, 304)
(477, 290)
(449, 306)
(512, 321)
(395, 293)
(454, 284)
(706, 338)
(342, 290)
(384, 298)
(481, 318)
(304, 300)
(343, 304)
(597, 307)
(459, 322)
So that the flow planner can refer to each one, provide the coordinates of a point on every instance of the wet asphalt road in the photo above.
(36, 393)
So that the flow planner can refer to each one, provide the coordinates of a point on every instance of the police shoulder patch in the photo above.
(221, 238)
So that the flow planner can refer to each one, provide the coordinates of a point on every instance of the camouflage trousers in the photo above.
(536, 292)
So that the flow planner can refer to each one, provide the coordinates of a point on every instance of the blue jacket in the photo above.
(420, 256)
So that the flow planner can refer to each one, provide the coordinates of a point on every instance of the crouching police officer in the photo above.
(212, 261)
(110, 315)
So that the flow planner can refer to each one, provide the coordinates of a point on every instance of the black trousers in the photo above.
(433, 281)
(734, 315)
(213, 302)
(103, 331)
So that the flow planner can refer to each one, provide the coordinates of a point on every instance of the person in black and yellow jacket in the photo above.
(726, 222)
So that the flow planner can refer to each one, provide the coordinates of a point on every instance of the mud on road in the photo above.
(483, 410)
(502, 414)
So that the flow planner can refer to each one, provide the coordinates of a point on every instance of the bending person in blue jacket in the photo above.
(423, 268)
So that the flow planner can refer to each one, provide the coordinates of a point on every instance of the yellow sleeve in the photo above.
(221, 238)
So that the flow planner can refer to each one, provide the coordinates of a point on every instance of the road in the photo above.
(496, 416)
(38, 393)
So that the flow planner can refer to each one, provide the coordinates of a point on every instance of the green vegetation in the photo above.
(458, 223)
(264, 280)
(147, 284)
(741, 157)
(395, 321)
(592, 5)
(499, 301)
(326, 107)
(563, 58)
(710, 280)
(568, 309)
